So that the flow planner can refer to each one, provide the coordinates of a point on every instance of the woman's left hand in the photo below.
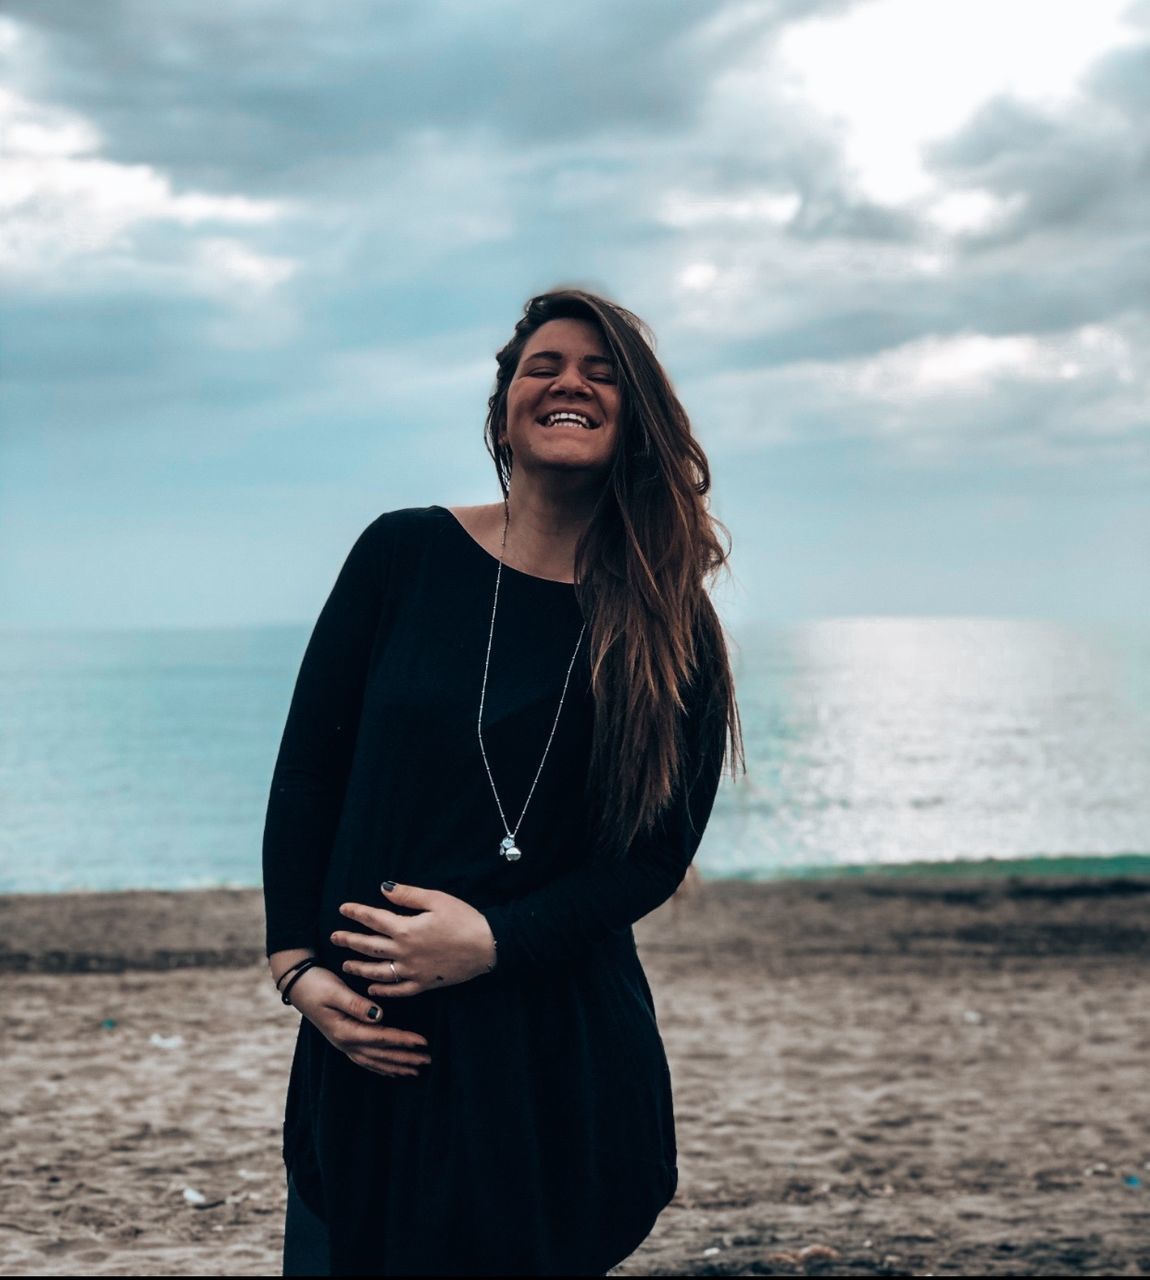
(447, 943)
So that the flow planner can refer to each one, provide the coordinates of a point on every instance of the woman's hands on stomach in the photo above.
(343, 1018)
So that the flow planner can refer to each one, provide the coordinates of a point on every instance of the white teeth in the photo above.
(563, 416)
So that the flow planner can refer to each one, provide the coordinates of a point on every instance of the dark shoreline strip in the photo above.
(778, 926)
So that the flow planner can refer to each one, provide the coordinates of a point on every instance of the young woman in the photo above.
(502, 750)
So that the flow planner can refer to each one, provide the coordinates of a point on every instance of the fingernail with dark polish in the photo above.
(375, 1013)
(387, 886)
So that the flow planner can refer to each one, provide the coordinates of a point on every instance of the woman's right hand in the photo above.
(341, 1016)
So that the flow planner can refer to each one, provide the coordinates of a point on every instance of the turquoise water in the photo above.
(142, 759)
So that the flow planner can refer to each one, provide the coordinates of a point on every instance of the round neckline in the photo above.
(507, 568)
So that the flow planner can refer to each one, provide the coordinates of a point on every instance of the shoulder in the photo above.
(401, 540)
(412, 525)
(388, 539)
(402, 527)
(405, 518)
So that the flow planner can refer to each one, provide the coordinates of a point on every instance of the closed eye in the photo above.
(551, 373)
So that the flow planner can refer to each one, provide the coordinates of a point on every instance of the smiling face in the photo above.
(563, 400)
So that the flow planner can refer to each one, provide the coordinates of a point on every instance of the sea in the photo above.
(882, 746)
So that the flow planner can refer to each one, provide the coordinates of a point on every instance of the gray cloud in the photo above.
(441, 162)
(272, 95)
(273, 289)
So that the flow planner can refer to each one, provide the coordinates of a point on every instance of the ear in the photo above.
(501, 429)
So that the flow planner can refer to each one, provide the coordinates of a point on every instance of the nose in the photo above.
(569, 379)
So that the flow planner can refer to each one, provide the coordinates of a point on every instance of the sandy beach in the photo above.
(872, 1077)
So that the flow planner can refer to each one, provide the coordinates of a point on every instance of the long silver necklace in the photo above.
(507, 847)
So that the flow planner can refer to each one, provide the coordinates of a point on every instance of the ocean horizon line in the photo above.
(1068, 866)
(735, 623)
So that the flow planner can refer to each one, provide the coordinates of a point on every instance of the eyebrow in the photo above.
(558, 355)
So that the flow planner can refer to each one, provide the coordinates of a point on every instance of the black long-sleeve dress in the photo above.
(540, 1139)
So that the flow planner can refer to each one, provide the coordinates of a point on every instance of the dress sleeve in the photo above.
(315, 753)
(556, 924)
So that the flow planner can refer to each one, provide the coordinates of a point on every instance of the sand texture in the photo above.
(872, 1077)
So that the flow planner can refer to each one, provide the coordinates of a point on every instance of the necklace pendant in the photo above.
(508, 850)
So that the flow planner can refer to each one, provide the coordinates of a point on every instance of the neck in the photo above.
(543, 530)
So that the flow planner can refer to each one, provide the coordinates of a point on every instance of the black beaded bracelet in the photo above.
(301, 969)
(292, 969)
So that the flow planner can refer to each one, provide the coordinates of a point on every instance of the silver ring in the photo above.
(394, 972)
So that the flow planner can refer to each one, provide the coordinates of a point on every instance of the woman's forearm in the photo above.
(313, 765)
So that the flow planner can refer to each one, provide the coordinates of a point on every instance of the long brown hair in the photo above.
(641, 569)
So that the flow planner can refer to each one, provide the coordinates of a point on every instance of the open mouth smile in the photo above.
(568, 417)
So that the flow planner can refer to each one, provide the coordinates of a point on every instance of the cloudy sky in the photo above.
(257, 259)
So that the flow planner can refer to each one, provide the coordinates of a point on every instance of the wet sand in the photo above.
(872, 1077)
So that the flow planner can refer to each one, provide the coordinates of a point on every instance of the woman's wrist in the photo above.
(301, 970)
(283, 963)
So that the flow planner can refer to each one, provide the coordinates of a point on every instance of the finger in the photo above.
(406, 987)
(399, 1039)
(354, 1035)
(375, 945)
(380, 1069)
(379, 970)
(409, 895)
(393, 1057)
(363, 1014)
(396, 1059)
(379, 919)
